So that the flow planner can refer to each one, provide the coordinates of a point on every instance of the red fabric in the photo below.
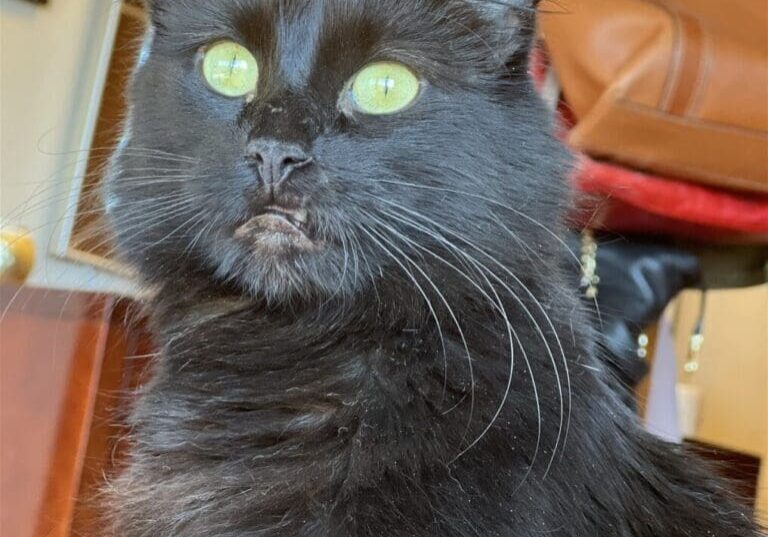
(666, 201)
(619, 217)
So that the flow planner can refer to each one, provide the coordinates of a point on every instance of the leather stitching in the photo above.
(705, 71)
(677, 53)
(690, 64)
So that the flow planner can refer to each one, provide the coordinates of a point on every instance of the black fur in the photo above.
(425, 369)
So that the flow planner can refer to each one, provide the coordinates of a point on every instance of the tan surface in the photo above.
(734, 371)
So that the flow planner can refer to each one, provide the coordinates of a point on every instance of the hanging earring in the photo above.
(642, 345)
(589, 278)
(696, 340)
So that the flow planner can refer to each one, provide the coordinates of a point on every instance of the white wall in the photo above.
(51, 58)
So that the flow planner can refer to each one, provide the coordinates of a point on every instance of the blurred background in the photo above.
(664, 104)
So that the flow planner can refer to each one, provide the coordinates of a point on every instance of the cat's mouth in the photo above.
(297, 218)
(277, 227)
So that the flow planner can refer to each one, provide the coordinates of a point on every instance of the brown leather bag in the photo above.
(677, 87)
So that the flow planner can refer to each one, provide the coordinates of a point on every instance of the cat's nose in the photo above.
(276, 160)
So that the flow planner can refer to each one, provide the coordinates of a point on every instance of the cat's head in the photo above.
(309, 147)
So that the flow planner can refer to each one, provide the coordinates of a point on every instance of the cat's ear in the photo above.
(512, 24)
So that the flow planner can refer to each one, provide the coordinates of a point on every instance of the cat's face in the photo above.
(306, 147)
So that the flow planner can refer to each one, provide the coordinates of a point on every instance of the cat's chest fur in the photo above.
(311, 422)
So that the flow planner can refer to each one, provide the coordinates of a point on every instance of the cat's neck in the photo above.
(363, 377)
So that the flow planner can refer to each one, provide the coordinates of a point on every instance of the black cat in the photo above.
(349, 214)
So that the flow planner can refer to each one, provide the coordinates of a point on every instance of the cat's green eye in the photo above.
(230, 69)
(384, 88)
